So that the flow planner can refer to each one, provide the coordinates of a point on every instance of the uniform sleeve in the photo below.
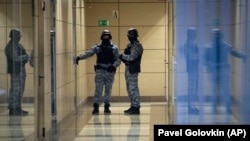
(12, 54)
(117, 60)
(236, 53)
(136, 51)
(93, 50)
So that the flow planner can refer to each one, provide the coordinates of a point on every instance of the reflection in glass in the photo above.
(218, 67)
(16, 60)
(220, 82)
(191, 56)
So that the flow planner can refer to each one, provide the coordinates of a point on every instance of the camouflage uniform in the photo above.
(16, 60)
(132, 59)
(103, 78)
(105, 68)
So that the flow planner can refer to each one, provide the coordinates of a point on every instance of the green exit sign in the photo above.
(103, 23)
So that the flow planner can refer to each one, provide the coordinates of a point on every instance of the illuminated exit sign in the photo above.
(103, 23)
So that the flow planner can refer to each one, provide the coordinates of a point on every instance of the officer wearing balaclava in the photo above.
(107, 61)
(132, 60)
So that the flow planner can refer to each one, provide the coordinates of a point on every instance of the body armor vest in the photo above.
(134, 66)
(106, 56)
(128, 52)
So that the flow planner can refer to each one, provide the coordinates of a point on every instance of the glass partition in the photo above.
(211, 61)
(17, 72)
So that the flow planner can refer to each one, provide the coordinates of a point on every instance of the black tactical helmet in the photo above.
(15, 33)
(132, 32)
(106, 32)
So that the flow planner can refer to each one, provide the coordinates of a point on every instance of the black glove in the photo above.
(111, 69)
(124, 61)
(120, 57)
(76, 60)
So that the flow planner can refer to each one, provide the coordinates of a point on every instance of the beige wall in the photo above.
(240, 69)
(149, 17)
(82, 83)
(65, 74)
(16, 15)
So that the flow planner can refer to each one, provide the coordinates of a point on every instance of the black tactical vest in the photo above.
(134, 66)
(106, 56)
(127, 51)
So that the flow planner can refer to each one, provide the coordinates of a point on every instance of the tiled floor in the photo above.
(114, 127)
(205, 116)
(17, 128)
(117, 126)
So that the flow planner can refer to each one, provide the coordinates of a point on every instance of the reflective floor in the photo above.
(120, 127)
(205, 116)
(114, 127)
(17, 128)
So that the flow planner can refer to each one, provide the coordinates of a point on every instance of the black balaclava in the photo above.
(106, 42)
(106, 37)
(132, 39)
(132, 34)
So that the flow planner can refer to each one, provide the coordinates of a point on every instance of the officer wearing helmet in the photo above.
(132, 59)
(218, 65)
(106, 63)
(16, 60)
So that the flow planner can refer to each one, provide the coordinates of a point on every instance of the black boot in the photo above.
(17, 112)
(96, 109)
(133, 111)
(128, 110)
(106, 109)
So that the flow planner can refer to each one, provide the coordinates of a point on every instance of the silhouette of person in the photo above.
(16, 60)
(191, 55)
(218, 66)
